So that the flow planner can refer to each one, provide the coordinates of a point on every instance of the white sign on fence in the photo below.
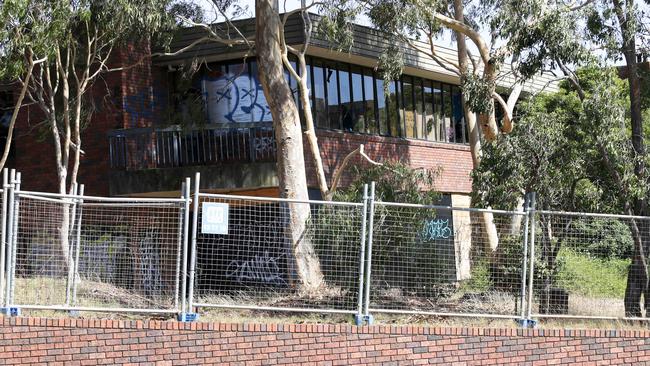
(214, 218)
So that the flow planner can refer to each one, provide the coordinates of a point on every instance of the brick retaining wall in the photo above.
(89, 342)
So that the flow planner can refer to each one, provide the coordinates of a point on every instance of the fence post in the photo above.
(358, 318)
(195, 219)
(367, 316)
(8, 241)
(179, 254)
(75, 274)
(524, 268)
(531, 273)
(3, 234)
(14, 244)
(71, 245)
(184, 316)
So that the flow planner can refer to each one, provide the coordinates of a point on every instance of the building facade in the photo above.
(155, 123)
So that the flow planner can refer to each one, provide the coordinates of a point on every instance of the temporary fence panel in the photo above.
(277, 254)
(590, 266)
(94, 253)
(440, 260)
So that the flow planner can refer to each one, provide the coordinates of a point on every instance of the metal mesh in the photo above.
(126, 254)
(254, 265)
(590, 266)
(439, 261)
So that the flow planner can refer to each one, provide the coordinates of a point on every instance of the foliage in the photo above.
(394, 182)
(396, 230)
(478, 93)
(601, 238)
(585, 275)
(559, 146)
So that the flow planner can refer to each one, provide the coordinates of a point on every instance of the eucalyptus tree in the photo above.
(55, 51)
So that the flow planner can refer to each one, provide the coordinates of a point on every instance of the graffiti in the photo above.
(235, 98)
(436, 229)
(150, 276)
(144, 103)
(264, 145)
(260, 268)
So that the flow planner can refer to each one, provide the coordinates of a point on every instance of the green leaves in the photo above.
(477, 92)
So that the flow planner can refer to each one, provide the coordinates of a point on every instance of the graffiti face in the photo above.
(235, 97)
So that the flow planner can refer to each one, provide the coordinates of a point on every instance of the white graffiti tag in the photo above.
(260, 268)
(436, 229)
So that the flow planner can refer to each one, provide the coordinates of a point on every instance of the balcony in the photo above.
(214, 144)
(147, 160)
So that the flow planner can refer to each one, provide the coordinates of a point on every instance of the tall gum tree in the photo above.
(288, 134)
(56, 51)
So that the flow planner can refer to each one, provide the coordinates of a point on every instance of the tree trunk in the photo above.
(310, 132)
(637, 284)
(487, 219)
(288, 134)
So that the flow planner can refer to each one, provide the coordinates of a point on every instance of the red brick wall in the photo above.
(29, 341)
(452, 161)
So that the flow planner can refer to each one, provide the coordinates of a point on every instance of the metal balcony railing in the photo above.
(150, 148)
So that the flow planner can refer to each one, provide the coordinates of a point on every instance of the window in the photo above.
(344, 97)
(347, 112)
(382, 107)
(392, 108)
(429, 118)
(358, 106)
(320, 104)
(408, 110)
(419, 110)
(449, 135)
(331, 79)
(460, 128)
(437, 110)
(370, 98)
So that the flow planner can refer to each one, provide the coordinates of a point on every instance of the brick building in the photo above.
(152, 126)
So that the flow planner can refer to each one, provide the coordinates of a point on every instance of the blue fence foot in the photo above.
(10, 311)
(359, 319)
(369, 319)
(527, 323)
(188, 317)
(74, 313)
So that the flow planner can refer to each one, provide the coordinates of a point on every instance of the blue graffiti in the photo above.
(235, 98)
(144, 103)
(436, 229)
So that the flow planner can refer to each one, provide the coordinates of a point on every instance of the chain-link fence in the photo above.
(76, 252)
(446, 261)
(175, 255)
(590, 266)
(279, 254)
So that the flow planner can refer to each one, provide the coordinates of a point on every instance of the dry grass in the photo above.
(47, 290)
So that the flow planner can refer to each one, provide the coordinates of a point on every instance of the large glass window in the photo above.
(320, 103)
(447, 113)
(392, 105)
(429, 121)
(347, 112)
(408, 111)
(358, 105)
(382, 107)
(369, 98)
(224, 88)
(333, 105)
(458, 115)
(345, 97)
(419, 109)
